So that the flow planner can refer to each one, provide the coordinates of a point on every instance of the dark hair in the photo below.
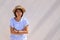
(15, 12)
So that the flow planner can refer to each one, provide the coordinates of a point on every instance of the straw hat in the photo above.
(19, 7)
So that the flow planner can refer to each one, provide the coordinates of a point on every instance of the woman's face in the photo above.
(18, 13)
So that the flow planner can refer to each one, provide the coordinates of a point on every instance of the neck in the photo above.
(18, 19)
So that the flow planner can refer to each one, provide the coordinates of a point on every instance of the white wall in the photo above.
(43, 16)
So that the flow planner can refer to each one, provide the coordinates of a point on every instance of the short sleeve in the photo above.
(26, 22)
(11, 23)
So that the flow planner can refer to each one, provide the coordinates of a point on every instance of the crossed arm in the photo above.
(14, 31)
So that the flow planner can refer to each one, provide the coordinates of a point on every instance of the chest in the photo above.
(19, 25)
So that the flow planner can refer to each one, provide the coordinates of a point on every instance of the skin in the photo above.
(18, 18)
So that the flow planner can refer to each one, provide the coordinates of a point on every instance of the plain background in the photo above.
(43, 16)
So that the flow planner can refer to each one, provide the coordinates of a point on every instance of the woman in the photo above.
(18, 24)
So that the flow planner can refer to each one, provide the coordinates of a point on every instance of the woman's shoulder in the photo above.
(11, 19)
(24, 19)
